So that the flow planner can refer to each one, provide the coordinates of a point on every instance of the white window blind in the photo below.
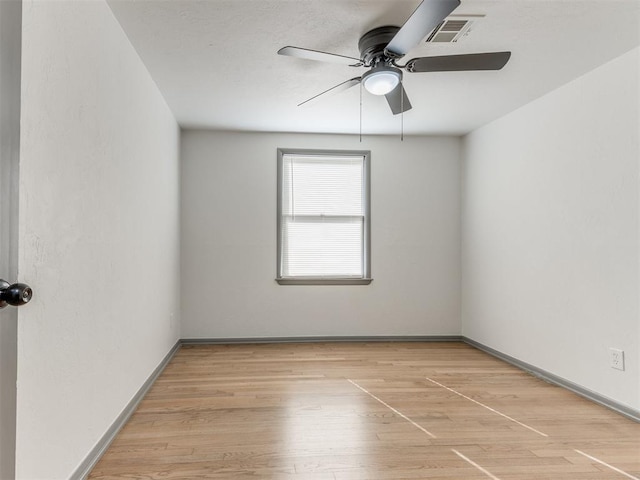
(323, 208)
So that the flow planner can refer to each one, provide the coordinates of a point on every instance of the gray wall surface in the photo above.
(228, 216)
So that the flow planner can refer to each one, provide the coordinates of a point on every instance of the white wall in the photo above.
(550, 231)
(229, 241)
(98, 232)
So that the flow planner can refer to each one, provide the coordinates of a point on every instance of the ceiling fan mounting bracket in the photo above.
(373, 43)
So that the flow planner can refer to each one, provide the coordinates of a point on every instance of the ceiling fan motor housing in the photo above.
(373, 43)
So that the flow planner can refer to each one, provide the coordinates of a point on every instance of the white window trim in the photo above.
(366, 278)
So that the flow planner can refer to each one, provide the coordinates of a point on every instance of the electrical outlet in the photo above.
(617, 358)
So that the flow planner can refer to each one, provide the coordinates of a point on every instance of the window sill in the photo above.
(324, 281)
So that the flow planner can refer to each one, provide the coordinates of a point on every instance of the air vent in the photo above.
(453, 28)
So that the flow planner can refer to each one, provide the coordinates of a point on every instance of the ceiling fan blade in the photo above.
(428, 15)
(457, 63)
(341, 87)
(319, 56)
(398, 101)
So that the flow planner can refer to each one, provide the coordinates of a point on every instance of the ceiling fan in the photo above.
(382, 47)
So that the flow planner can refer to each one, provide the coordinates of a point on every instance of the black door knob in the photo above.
(16, 294)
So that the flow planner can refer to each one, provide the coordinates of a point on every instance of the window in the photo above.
(323, 217)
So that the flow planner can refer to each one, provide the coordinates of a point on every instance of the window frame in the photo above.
(366, 241)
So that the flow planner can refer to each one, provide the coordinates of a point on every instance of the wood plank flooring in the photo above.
(356, 411)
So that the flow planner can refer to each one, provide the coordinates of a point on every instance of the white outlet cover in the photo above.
(617, 358)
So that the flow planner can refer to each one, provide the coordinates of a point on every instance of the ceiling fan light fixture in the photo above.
(381, 80)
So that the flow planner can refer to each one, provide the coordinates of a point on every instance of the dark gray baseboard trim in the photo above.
(556, 380)
(327, 339)
(96, 452)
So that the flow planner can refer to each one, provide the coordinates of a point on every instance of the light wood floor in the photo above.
(365, 411)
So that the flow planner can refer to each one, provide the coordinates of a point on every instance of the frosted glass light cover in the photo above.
(381, 83)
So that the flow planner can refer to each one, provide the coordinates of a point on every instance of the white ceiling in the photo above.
(215, 61)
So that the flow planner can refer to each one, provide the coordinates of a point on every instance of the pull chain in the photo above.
(360, 112)
(401, 112)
